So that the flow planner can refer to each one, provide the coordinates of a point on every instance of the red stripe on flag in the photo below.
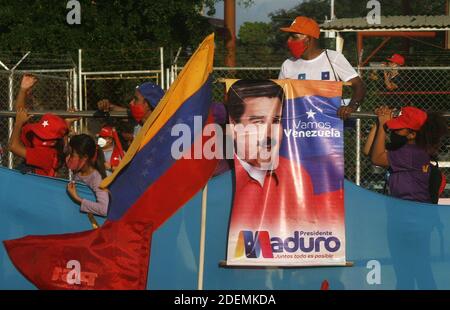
(115, 256)
(173, 189)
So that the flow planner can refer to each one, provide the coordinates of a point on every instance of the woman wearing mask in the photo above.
(415, 138)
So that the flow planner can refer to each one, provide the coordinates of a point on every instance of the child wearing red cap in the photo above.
(415, 139)
(391, 77)
(108, 140)
(86, 161)
(40, 144)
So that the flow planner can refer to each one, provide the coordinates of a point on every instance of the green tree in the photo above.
(254, 44)
(254, 33)
(106, 25)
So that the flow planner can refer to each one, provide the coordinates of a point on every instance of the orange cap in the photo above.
(304, 25)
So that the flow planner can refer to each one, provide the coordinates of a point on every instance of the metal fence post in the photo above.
(80, 87)
(75, 96)
(68, 94)
(358, 152)
(358, 134)
(161, 50)
(167, 78)
(11, 108)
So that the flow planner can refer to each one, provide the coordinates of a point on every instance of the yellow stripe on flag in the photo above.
(189, 81)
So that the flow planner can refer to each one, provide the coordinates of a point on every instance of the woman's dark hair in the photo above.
(59, 146)
(430, 135)
(85, 145)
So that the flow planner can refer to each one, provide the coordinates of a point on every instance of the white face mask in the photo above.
(101, 142)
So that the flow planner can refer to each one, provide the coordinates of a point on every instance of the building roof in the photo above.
(390, 23)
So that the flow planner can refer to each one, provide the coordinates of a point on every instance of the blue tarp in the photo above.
(410, 241)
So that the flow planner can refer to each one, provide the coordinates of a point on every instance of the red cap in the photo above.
(106, 132)
(49, 127)
(398, 59)
(409, 117)
(304, 25)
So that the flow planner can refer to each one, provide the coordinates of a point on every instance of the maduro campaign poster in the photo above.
(288, 205)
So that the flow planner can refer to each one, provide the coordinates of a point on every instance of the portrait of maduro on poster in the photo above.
(288, 205)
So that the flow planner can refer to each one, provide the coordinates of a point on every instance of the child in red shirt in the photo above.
(41, 144)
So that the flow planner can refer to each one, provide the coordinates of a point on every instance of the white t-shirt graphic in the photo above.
(318, 68)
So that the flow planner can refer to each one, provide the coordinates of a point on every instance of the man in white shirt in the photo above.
(310, 62)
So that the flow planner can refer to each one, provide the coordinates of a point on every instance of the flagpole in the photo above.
(201, 262)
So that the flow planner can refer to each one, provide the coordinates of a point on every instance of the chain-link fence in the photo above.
(63, 89)
(53, 91)
(424, 87)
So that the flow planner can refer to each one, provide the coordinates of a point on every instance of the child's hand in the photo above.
(104, 105)
(108, 166)
(71, 120)
(22, 117)
(72, 191)
(384, 114)
(28, 81)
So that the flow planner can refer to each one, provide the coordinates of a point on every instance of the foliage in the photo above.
(131, 25)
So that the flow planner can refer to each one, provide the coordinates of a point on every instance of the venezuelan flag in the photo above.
(146, 189)
(149, 182)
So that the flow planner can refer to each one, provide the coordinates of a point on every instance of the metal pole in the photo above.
(358, 133)
(20, 61)
(45, 70)
(80, 87)
(332, 16)
(64, 113)
(201, 262)
(10, 108)
(99, 114)
(84, 121)
(75, 94)
(167, 78)
(339, 42)
(4, 66)
(85, 92)
(230, 25)
(161, 51)
(358, 152)
(47, 76)
(88, 73)
(67, 96)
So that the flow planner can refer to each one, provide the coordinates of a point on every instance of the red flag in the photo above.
(114, 256)
(325, 286)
